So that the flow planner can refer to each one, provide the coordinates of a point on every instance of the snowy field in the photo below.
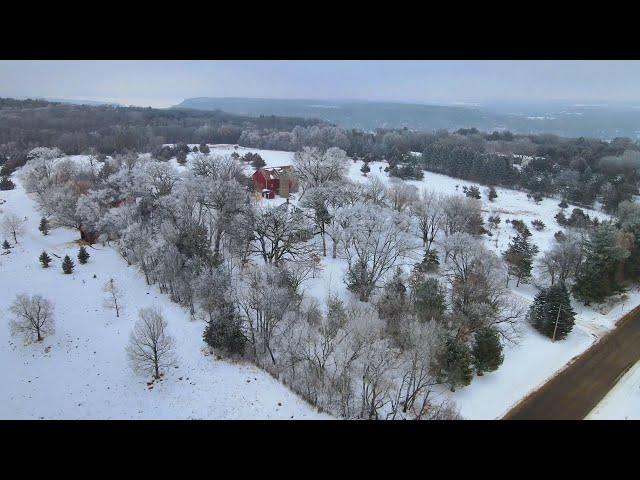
(623, 401)
(93, 380)
(534, 359)
(81, 371)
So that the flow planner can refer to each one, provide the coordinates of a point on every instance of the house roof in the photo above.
(276, 172)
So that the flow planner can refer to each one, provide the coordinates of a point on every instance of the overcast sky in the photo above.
(165, 83)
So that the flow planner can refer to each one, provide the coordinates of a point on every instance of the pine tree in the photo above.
(596, 279)
(455, 364)
(67, 265)
(365, 168)
(429, 299)
(492, 194)
(6, 183)
(224, 333)
(393, 304)
(6, 245)
(472, 192)
(204, 148)
(552, 306)
(83, 255)
(44, 226)
(519, 257)
(45, 259)
(487, 351)
(430, 262)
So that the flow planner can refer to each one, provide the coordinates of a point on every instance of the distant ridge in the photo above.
(71, 101)
(569, 119)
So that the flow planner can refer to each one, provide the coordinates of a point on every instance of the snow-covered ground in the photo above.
(534, 359)
(81, 371)
(623, 401)
(87, 351)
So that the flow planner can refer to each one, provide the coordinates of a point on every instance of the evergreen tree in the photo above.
(365, 168)
(552, 305)
(492, 194)
(6, 245)
(394, 305)
(472, 192)
(429, 299)
(487, 351)
(258, 162)
(44, 226)
(67, 265)
(430, 262)
(204, 148)
(596, 279)
(83, 255)
(181, 157)
(224, 331)
(519, 257)
(6, 183)
(455, 364)
(45, 259)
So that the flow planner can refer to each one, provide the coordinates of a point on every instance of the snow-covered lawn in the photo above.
(623, 401)
(81, 371)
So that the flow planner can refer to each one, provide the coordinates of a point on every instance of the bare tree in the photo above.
(33, 316)
(415, 376)
(113, 299)
(150, 347)
(479, 297)
(460, 214)
(429, 213)
(375, 191)
(563, 260)
(401, 194)
(375, 240)
(314, 167)
(265, 303)
(281, 234)
(12, 225)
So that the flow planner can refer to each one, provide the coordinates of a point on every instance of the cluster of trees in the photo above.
(242, 266)
(110, 130)
(593, 261)
(580, 170)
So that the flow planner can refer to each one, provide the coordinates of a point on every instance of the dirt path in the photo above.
(577, 389)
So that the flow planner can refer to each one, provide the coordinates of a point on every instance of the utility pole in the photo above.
(556, 326)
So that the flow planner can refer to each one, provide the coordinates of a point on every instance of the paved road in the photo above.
(577, 389)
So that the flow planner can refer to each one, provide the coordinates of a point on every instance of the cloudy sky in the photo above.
(165, 83)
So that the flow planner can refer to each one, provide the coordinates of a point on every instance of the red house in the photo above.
(273, 180)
